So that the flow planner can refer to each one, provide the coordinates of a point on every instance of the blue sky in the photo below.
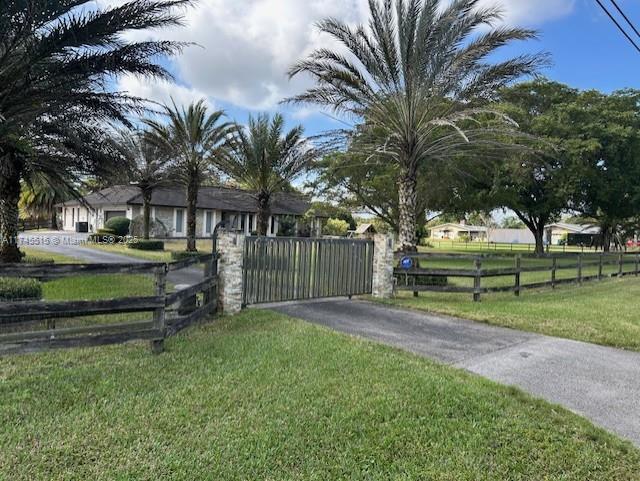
(246, 46)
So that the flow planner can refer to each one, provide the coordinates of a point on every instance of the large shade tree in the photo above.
(264, 159)
(411, 77)
(55, 58)
(193, 139)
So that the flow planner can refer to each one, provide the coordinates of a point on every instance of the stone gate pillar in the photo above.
(231, 252)
(383, 266)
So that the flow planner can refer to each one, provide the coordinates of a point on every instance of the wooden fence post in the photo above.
(600, 267)
(637, 264)
(579, 268)
(554, 268)
(518, 268)
(159, 319)
(620, 265)
(477, 280)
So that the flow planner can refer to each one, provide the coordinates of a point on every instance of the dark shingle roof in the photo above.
(118, 194)
(218, 198)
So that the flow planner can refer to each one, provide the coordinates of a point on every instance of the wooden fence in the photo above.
(422, 272)
(171, 312)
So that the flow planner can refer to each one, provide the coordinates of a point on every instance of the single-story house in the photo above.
(511, 236)
(169, 209)
(573, 234)
(363, 231)
(451, 231)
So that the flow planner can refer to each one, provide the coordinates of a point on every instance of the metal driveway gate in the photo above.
(290, 269)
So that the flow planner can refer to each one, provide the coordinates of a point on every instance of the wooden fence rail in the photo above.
(409, 275)
(184, 307)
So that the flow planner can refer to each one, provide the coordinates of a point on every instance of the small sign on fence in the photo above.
(406, 263)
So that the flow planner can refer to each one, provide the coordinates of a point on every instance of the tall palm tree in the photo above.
(412, 78)
(147, 168)
(55, 58)
(264, 160)
(193, 138)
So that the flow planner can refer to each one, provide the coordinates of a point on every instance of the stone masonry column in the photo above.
(231, 251)
(383, 266)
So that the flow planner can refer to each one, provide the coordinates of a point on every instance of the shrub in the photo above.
(336, 227)
(182, 255)
(157, 229)
(119, 225)
(37, 260)
(102, 235)
(287, 226)
(146, 245)
(13, 289)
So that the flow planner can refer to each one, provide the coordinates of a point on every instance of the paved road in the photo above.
(70, 244)
(599, 383)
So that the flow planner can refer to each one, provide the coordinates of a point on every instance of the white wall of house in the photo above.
(174, 219)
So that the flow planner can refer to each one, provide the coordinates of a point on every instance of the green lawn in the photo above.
(203, 245)
(35, 255)
(603, 312)
(260, 396)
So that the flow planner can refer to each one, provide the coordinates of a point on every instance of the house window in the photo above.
(208, 222)
(179, 221)
(273, 224)
(251, 223)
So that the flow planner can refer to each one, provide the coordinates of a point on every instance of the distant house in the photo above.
(451, 231)
(572, 234)
(511, 236)
(364, 230)
(169, 209)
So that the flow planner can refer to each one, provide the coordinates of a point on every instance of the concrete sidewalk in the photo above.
(599, 383)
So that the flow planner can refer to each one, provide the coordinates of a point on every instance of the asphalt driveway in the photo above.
(70, 244)
(599, 383)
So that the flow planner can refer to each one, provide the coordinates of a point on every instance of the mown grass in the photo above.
(203, 245)
(260, 396)
(33, 254)
(604, 312)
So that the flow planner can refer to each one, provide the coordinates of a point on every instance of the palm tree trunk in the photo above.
(264, 203)
(192, 199)
(54, 219)
(146, 212)
(606, 238)
(9, 197)
(407, 201)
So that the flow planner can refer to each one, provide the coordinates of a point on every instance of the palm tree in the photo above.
(192, 138)
(40, 195)
(264, 160)
(147, 168)
(55, 59)
(412, 78)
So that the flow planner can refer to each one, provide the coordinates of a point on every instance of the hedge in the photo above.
(103, 235)
(182, 255)
(14, 289)
(146, 245)
(119, 225)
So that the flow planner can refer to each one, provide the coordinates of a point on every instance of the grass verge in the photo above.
(604, 312)
(204, 246)
(260, 396)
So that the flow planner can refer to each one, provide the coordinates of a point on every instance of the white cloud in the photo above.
(161, 91)
(245, 47)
